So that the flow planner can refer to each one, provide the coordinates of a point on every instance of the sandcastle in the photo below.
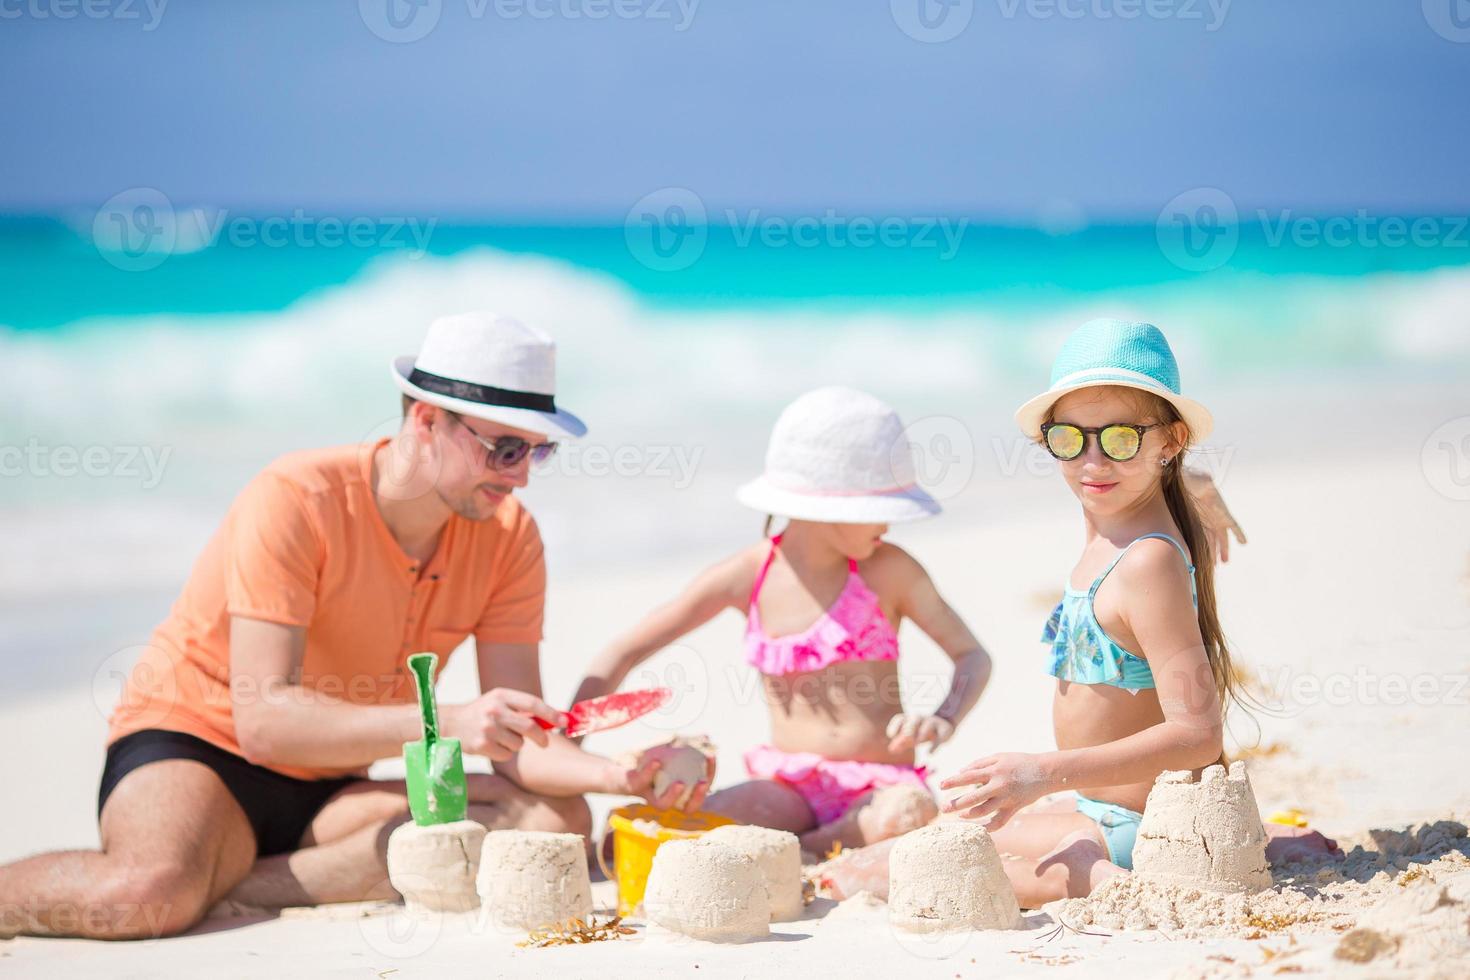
(707, 890)
(778, 855)
(434, 867)
(532, 879)
(1204, 834)
(948, 876)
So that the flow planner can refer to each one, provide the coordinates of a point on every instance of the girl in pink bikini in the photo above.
(823, 601)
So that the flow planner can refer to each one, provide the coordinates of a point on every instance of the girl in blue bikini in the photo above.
(1143, 671)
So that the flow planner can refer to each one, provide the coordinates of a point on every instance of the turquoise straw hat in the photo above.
(1116, 352)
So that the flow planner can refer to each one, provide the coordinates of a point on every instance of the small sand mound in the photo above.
(534, 880)
(1204, 833)
(434, 867)
(707, 890)
(949, 876)
(778, 855)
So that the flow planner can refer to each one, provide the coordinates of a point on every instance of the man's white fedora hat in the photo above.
(839, 456)
(491, 367)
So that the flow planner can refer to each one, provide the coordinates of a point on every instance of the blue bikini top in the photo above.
(1082, 653)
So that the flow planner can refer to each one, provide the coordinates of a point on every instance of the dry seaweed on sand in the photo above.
(576, 932)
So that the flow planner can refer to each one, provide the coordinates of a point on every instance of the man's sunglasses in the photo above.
(504, 452)
(1119, 441)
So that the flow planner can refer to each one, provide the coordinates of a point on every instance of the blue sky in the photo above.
(540, 109)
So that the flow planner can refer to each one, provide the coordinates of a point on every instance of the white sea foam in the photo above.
(693, 391)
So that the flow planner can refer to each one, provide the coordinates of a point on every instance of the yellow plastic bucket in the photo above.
(638, 831)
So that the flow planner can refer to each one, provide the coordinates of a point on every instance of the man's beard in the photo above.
(472, 507)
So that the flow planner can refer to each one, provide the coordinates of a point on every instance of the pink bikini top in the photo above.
(854, 628)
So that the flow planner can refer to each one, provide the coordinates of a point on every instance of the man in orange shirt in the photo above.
(237, 758)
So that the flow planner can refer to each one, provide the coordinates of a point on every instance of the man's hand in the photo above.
(642, 777)
(1004, 783)
(907, 732)
(1219, 522)
(498, 722)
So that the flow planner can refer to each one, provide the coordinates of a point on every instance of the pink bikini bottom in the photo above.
(829, 786)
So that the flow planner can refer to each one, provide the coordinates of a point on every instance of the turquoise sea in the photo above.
(180, 372)
(53, 272)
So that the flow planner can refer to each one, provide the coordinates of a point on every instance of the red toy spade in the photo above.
(610, 710)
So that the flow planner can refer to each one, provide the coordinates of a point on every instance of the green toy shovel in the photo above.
(434, 766)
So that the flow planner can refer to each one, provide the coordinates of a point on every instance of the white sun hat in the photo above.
(839, 456)
(491, 367)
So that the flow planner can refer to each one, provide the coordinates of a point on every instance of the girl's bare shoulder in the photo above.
(734, 575)
(1154, 563)
(891, 570)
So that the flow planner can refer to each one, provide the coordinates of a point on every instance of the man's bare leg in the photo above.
(344, 853)
(173, 842)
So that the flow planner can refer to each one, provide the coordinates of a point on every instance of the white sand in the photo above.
(1352, 592)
